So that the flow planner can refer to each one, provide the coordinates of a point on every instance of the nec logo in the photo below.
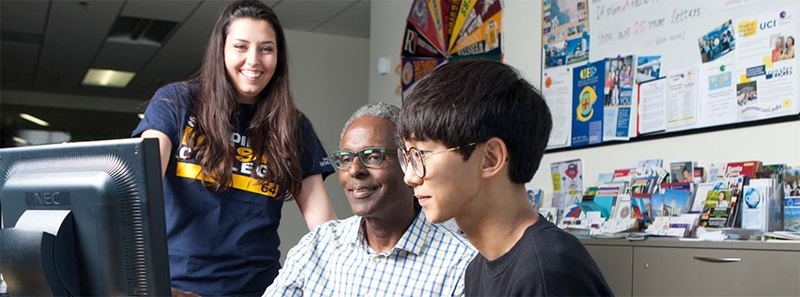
(47, 199)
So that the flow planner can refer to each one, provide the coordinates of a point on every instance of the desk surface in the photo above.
(729, 244)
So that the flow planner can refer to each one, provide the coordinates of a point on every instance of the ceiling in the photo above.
(47, 47)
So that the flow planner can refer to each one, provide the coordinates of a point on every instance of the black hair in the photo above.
(474, 100)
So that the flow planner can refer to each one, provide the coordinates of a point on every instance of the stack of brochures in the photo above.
(781, 235)
(730, 200)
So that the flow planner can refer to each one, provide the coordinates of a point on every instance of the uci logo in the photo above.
(768, 25)
(588, 72)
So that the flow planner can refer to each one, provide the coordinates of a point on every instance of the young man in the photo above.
(387, 248)
(475, 132)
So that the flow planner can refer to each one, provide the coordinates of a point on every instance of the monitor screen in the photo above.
(84, 218)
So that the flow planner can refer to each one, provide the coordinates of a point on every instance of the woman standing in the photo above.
(788, 52)
(233, 148)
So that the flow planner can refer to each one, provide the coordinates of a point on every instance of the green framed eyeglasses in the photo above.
(370, 157)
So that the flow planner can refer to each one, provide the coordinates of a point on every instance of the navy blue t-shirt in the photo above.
(221, 243)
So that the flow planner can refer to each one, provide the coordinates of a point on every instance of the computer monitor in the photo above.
(83, 218)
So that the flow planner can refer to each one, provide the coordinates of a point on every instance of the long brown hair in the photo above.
(274, 128)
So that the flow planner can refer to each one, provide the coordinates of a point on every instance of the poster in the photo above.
(567, 183)
(618, 97)
(681, 104)
(587, 104)
(557, 92)
(565, 32)
(766, 82)
(652, 106)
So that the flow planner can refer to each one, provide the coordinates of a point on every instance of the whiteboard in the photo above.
(702, 64)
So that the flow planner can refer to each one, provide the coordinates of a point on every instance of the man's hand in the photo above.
(179, 293)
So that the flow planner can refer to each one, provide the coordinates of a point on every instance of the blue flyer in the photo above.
(587, 122)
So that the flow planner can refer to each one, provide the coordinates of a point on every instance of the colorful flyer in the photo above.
(565, 32)
(587, 105)
(766, 80)
(618, 97)
(567, 183)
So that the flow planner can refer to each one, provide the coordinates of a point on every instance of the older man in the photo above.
(387, 248)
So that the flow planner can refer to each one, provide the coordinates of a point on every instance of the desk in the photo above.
(698, 268)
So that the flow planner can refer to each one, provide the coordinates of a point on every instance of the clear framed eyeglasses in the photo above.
(416, 158)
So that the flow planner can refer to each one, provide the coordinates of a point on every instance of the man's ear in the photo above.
(495, 154)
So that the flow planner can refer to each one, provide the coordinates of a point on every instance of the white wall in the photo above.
(330, 81)
(387, 22)
(522, 28)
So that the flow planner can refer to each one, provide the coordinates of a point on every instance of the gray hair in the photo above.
(379, 110)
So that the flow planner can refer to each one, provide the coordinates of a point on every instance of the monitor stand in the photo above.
(37, 256)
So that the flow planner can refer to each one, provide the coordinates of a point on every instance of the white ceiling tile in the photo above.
(305, 15)
(124, 56)
(72, 40)
(352, 22)
(19, 64)
(183, 53)
(23, 16)
(165, 10)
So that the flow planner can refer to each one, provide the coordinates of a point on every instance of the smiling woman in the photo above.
(250, 57)
(234, 147)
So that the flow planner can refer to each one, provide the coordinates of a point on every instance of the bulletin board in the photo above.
(617, 70)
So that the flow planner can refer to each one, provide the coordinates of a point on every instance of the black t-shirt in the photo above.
(546, 261)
